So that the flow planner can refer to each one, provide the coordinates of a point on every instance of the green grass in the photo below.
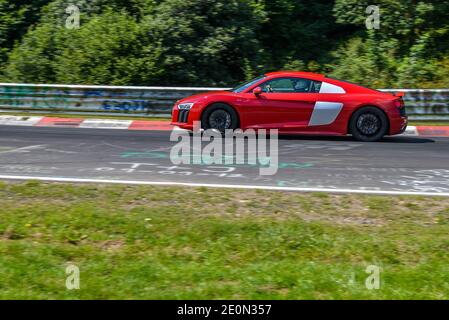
(146, 242)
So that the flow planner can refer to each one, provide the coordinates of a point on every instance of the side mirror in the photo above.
(257, 90)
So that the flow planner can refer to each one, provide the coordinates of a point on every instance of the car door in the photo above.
(285, 103)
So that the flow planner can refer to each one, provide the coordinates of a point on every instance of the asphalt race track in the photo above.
(340, 164)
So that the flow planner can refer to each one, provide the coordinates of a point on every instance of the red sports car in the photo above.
(299, 103)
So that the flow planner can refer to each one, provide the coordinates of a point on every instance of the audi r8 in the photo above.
(296, 103)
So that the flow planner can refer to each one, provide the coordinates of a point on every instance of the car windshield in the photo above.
(243, 86)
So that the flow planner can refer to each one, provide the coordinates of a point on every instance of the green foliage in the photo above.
(365, 62)
(297, 30)
(31, 61)
(218, 43)
(115, 55)
(204, 41)
(15, 18)
(408, 50)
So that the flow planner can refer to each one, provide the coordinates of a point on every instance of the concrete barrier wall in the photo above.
(158, 101)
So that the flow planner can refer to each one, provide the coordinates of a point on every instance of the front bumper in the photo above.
(182, 125)
(185, 118)
(180, 118)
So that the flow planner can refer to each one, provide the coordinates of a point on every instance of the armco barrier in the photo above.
(431, 104)
(75, 99)
(425, 104)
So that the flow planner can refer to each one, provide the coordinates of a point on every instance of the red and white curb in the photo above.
(422, 131)
(427, 131)
(85, 123)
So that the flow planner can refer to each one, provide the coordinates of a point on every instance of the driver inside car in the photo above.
(301, 85)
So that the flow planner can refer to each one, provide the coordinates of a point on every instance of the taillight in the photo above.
(400, 105)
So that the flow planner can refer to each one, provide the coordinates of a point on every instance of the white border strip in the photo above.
(411, 131)
(229, 186)
(75, 86)
(415, 90)
(6, 120)
(105, 124)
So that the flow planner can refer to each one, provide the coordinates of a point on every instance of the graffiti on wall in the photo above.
(78, 99)
(133, 105)
(425, 102)
(153, 100)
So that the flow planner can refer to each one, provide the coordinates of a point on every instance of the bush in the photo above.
(218, 43)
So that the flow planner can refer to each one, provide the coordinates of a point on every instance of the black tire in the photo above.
(219, 116)
(368, 124)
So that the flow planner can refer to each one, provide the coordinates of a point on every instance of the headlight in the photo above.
(185, 106)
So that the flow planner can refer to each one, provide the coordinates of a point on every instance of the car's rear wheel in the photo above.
(368, 124)
(219, 116)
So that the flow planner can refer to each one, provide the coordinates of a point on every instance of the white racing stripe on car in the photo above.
(331, 88)
(214, 185)
(325, 113)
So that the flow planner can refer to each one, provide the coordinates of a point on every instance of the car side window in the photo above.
(281, 85)
(291, 85)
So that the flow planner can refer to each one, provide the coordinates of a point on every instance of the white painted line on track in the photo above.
(230, 186)
(24, 149)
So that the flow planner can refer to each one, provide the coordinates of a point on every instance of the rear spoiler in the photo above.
(399, 94)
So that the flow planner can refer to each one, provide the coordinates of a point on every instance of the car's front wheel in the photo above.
(219, 116)
(368, 124)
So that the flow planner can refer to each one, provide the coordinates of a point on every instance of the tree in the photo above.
(31, 61)
(15, 19)
(218, 42)
(204, 42)
(299, 30)
(412, 39)
(110, 48)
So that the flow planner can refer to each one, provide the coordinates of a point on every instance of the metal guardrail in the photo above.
(75, 99)
(431, 104)
(425, 104)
